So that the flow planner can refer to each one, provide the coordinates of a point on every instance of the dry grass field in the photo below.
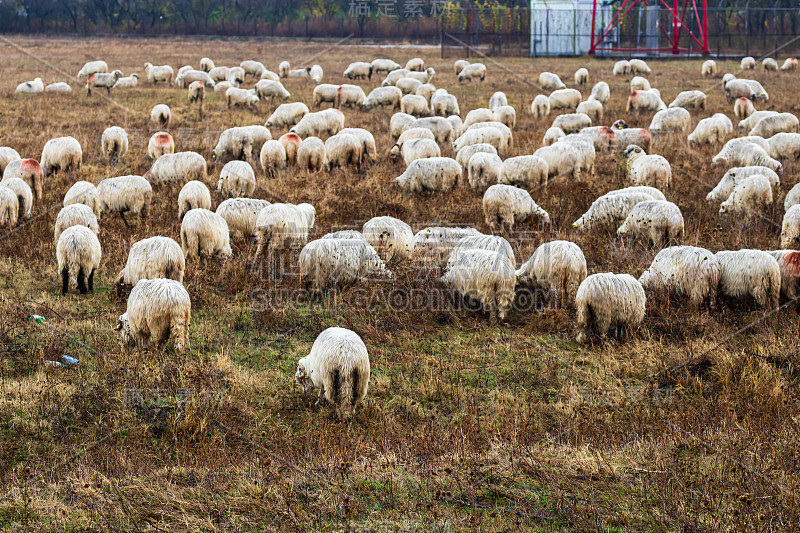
(689, 424)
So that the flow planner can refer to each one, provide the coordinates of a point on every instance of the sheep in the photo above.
(302, 72)
(271, 76)
(152, 258)
(283, 69)
(483, 170)
(270, 90)
(338, 365)
(160, 143)
(790, 229)
(433, 174)
(114, 143)
(367, 142)
(639, 83)
(608, 300)
(463, 156)
(61, 87)
(572, 122)
(736, 175)
(92, 67)
(643, 169)
(459, 65)
(272, 157)
(481, 114)
(562, 160)
(177, 168)
(711, 130)
(414, 105)
(498, 99)
(503, 205)
(28, 170)
(399, 123)
(769, 63)
(100, 80)
(747, 153)
(241, 97)
(414, 149)
(639, 66)
(78, 253)
(222, 86)
(433, 245)
(780, 123)
(748, 63)
(612, 208)
(685, 271)
(74, 215)
(7, 155)
(584, 144)
(789, 64)
(645, 101)
(757, 92)
(383, 97)
(659, 221)
(527, 171)
(550, 82)
(750, 121)
(157, 310)
(564, 99)
(197, 93)
(471, 71)
(161, 115)
(748, 199)
(622, 68)
(237, 179)
(204, 234)
(278, 225)
(358, 70)
(709, 68)
(603, 137)
(236, 143)
(581, 76)
(83, 192)
(441, 128)
(329, 121)
(342, 150)
(690, 100)
(792, 197)
(206, 64)
(184, 79)
(672, 120)
(540, 107)
(555, 266)
(331, 261)
(408, 85)
(235, 74)
(390, 237)
(458, 125)
(409, 134)
(219, 75)
(194, 195)
(349, 96)
(752, 273)
(125, 194)
(789, 265)
(552, 135)
(416, 64)
(290, 143)
(287, 114)
(156, 74)
(491, 243)
(784, 146)
(735, 89)
(485, 276)
(727, 78)
(394, 76)
(311, 154)
(505, 115)
(489, 135)
(186, 68)
(241, 215)
(384, 65)
(62, 153)
(592, 109)
(627, 136)
(23, 193)
(600, 93)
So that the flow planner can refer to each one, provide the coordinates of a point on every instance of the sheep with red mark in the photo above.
(28, 170)
(160, 143)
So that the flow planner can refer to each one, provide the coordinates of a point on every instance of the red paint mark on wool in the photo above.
(793, 262)
(31, 165)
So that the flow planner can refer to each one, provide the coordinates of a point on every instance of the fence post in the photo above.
(747, 30)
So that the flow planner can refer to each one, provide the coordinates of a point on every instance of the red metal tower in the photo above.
(680, 22)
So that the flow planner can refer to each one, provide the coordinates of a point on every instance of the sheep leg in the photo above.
(122, 214)
(108, 89)
(91, 281)
(82, 281)
(64, 280)
(321, 397)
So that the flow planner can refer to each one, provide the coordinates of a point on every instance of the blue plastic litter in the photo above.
(67, 360)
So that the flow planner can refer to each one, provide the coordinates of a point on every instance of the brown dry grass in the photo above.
(466, 426)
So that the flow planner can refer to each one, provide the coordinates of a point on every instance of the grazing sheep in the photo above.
(752, 119)
(789, 264)
(527, 171)
(685, 271)
(622, 68)
(414, 149)
(639, 66)
(750, 273)
(83, 192)
(792, 197)
(270, 90)
(204, 234)
(748, 153)
(125, 194)
(408, 85)
(358, 70)
(287, 114)
(241, 97)
(391, 237)
(114, 143)
(563, 160)
(459, 65)
(540, 107)
(790, 230)
(490, 243)
(237, 179)
(645, 101)
(711, 130)
(92, 67)
(612, 208)
(349, 96)
(749, 198)
(290, 143)
(441, 128)
(485, 276)
(28, 170)
(331, 262)
(550, 82)
(572, 122)
(383, 97)
(600, 93)
(416, 64)
(564, 99)
(241, 215)
(481, 114)
(384, 65)
(433, 245)
(186, 78)
(636, 136)
(584, 145)
(789, 64)
(177, 168)
(472, 71)
(23, 193)
(197, 93)
(193, 195)
(74, 215)
(219, 74)
(235, 75)
(338, 365)
(414, 105)
(592, 109)
(151, 258)
(784, 146)
(235, 143)
(400, 122)
(273, 157)
(581, 76)
(432, 174)
(780, 123)
(497, 100)
(31, 87)
(328, 121)
(409, 134)
(690, 100)
(735, 89)
(160, 143)
(639, 83)
(100, 80)
(483, 169)
(769, 63)
(7, 155)
(311, 154)
(709, 68)
(394, 76)
(736, 175)
(206, 64)
(78, 253)
(483, 135)
(743, 108)
(161, 115)
(158, 309)
(421, 76)
(316, 74)
(643, 169)
(505, 115)
(62, 153)
(748, 63)
(659, 221)
(283, 69)
(278, 225)
(342, 150)
(254, 68)
(156, 74)
(552, 135)
(9, 207)
(603, 138)
(759, 94)
(608, 300)
(503, 205)
(556, 266)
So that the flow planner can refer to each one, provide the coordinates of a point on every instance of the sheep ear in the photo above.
(119, 326)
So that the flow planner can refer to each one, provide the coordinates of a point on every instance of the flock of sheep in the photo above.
(426, 124)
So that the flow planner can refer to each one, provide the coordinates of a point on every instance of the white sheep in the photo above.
(711, 130)
(612, 208)
(645, 101)
(409, 134)
(750, 121)
(338, 365)
(204, 234)
(709, 68)
(161, 115)
(237, 179)
(503, 205)
(789, 264)
(9, 207)
(235, 143)
(592, 109)
(254, 68)
(743, 108)
(643, 169)
(328, 121)
(485, 276)
(790, 229)
(770, 64)
(483, 169)
(622, 68)
(114, 143)
(552, 135)
(780, 123)
(550, 82)
(62, 153)
(358, 70)
(271, 90)
(600, 93)
(156, 74)
(152, 258)
(639, 83)
(792, 197)
(564, 99)
(608, 300)
(394, 76)
(125, 194)
(458, 125)
(572, 122)
(197, 93)
(331, 262)
(540, 107)
(459, 65)
(283, 69)
(690, 100)
(92, 67)
(23, 193)
(465, 154)
(241, 215)
(556, 266)
(235, 96)
(219, 74)
(686, 271)
(639, 66)
(659, 221)
(206, 64)
(790, 64)
(184, 79)
(235, 74)
(385, 65)
(158, 309)
(421, 76)
(315, 73)
(498, 99)
(480, 114)
(7, 155)
(408, 85)
(757, 90)
(603, 137)
(383, 97)
(505, 115)
(28, 170)
(414, 105)
(672, 120)
(527, 171)
(491, 243)
(488, 135)
(750, 273)
(736, 175)
(83, 192)
(432, 174)
(472, 71)
(581, 76)
(736, 88)
(278, 225)
(311, 154)
(391, 237)
(78, 253)
(748, 153)
(74, 215)
(31, 87)
(102, 80)
(637, 136)
(749, 198)
(414, 149)
(563, 160)
(399, 123)
(433, 245)
(291, 143)
(441, 128)
(343, 149)
(177, 168)
(194, 195)
(160, 143)
(349, 96)
(272, 157)
(784, 146)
